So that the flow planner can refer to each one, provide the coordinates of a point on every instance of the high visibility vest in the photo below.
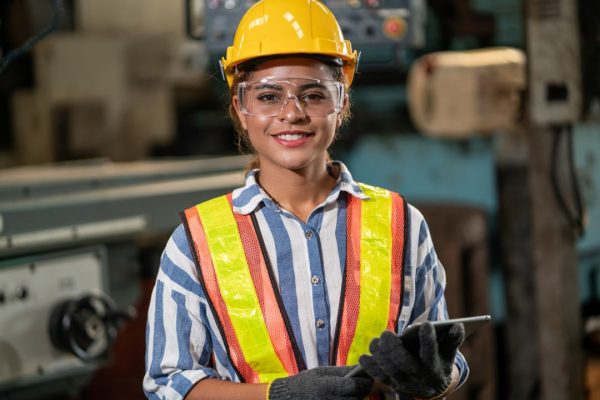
(242, 293)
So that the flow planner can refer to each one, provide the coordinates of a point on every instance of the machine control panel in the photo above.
(13, 294)
(30, 290)
(380, 29)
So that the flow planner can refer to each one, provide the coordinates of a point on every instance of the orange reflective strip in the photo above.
(352, 280)
(398, 231)
(211, 286)
(280, 337)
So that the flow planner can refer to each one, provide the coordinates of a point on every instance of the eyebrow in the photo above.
(312, 85)
(269, 86)
(274, 86)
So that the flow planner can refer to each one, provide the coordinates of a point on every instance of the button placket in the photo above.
(317, 283)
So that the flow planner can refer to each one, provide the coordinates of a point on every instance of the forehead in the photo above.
(292, 67)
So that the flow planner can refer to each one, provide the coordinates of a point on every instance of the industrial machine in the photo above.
(69, 236)
(70, 233)
(384, 30)
(55, 314)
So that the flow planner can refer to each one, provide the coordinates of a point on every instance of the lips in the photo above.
(288, 137)
(292, 138)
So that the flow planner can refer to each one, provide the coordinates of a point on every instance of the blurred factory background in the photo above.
(485, 114)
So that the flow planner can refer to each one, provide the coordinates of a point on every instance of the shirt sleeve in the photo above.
(178, 342)
(429, 284)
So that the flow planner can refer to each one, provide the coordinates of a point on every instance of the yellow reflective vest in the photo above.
(241, 291)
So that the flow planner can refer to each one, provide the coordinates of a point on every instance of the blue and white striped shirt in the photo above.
(183, 342)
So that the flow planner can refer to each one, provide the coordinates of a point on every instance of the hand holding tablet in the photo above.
(410, 334)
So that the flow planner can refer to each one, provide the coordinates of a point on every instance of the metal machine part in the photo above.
(86, 326)
(554, 62)
(380, 29)
(33, 289)
(460, 94)
(70, 250)
(74, 204)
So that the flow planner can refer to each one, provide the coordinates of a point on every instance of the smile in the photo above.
(292, 139)
(292, 136)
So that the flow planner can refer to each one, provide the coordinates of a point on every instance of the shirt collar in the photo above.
(250, 196)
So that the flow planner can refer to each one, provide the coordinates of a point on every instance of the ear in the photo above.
(241, 116)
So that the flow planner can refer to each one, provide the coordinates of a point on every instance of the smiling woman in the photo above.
(290, 123)
(278, 289)
(250, 98)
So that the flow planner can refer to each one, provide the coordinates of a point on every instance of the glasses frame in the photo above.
(337, 109)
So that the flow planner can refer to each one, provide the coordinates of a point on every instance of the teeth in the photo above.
(291, 136)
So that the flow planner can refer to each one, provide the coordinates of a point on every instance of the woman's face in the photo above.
(288, 137)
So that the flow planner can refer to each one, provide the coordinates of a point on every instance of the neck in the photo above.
(297, 191)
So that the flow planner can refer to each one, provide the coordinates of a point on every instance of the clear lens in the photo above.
(267, 97)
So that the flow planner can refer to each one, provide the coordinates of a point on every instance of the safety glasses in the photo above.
(268, 96)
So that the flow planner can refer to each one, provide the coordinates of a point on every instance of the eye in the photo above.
(314, 96)
(267, 97)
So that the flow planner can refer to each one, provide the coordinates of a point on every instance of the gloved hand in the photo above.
(321, 383)
(418, 365)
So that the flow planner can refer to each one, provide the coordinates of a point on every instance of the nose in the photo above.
(292, 110)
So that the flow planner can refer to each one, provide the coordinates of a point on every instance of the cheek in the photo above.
(256, 127)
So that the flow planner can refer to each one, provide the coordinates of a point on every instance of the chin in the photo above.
(295, 165)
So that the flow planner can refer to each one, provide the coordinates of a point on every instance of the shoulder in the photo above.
(415, 216)
(177, 266)
(177, 252)
(179, 237)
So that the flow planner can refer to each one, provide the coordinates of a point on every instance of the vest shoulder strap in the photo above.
(373, 282)
(234, 275)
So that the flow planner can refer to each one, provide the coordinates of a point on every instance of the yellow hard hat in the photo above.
(274, 27)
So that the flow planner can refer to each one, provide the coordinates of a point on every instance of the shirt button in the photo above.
(315, 280)
(320, 324)
(308, 234)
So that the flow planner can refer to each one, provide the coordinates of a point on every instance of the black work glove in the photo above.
(321, 383)
(418, 364)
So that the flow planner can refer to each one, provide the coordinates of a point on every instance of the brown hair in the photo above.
(242, 140)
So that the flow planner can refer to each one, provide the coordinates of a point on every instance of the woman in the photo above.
(276, 290)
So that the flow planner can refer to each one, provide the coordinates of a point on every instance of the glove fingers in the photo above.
(351, 387)
(449, 343)
(391, 354)
(373, 368)
(428, 346)
(334, 383)
(358, 387)
(389, 341)
(340, 371)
